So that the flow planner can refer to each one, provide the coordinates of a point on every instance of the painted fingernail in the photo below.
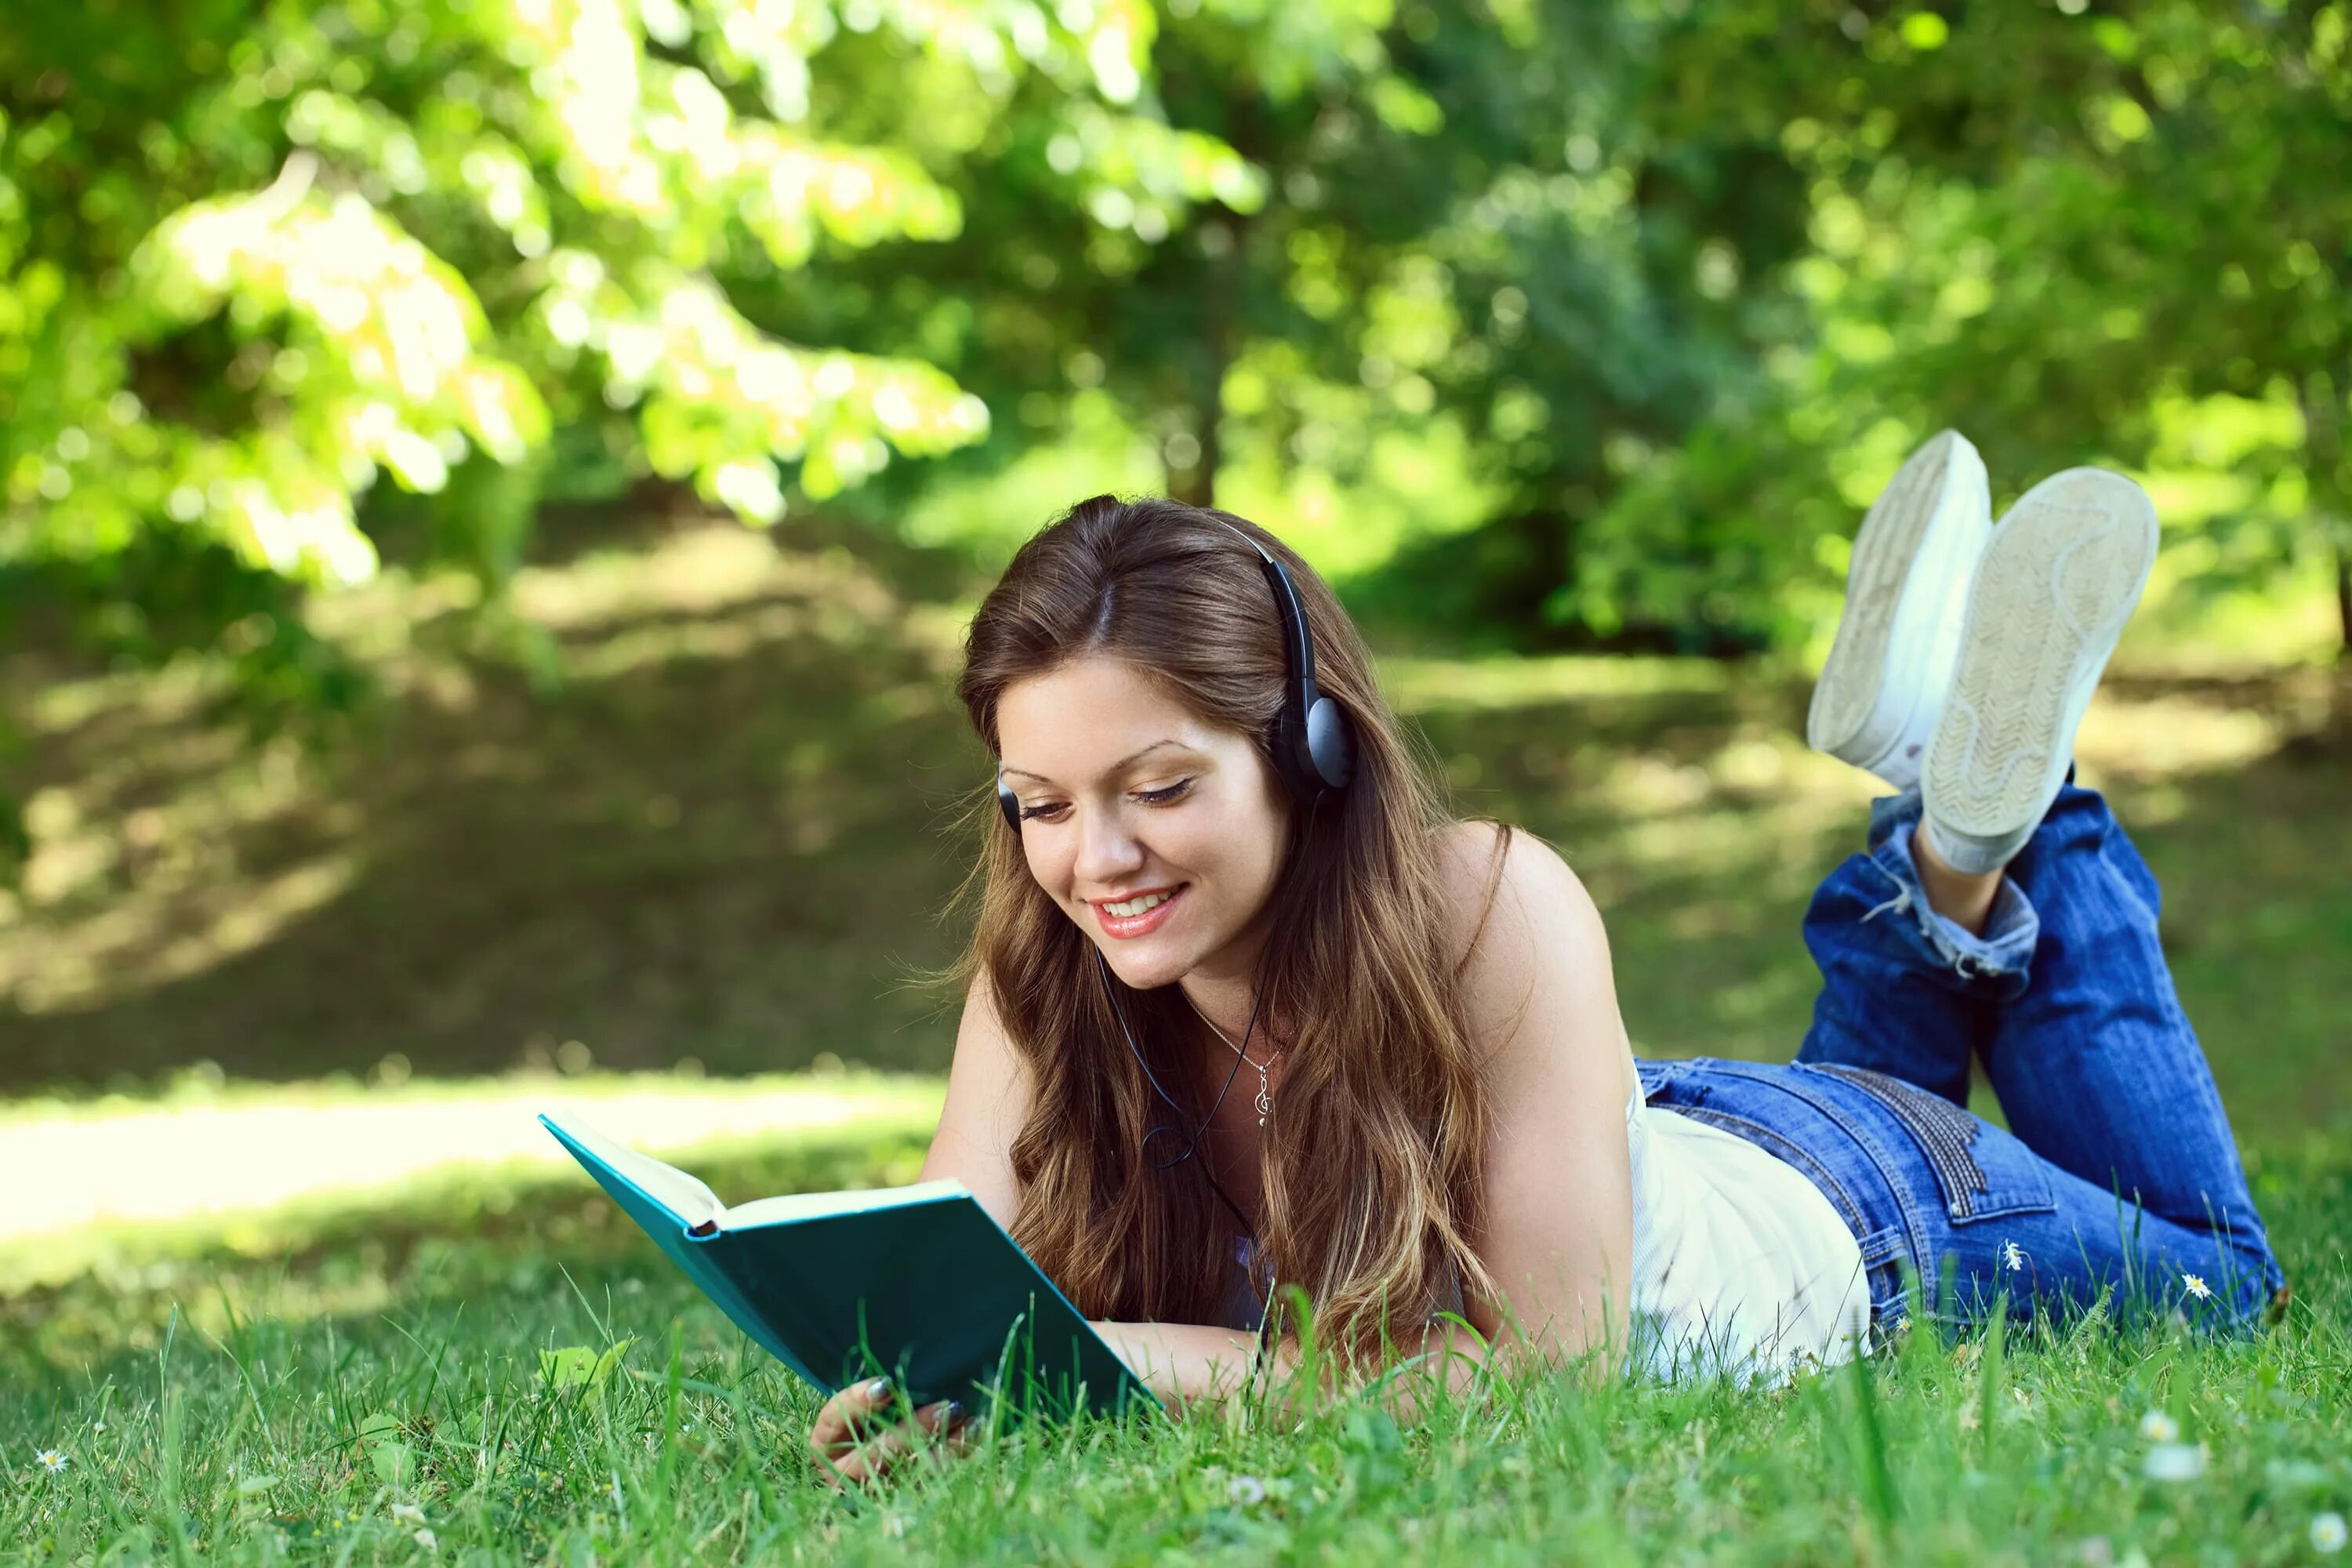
(878, 1390)
(957, 1413)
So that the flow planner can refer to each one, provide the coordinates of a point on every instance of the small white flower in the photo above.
(1247, 1491)
(2327, 1533)
(2197, 1286)
(98, 1426)
(2158, 1427)
(2014, 1255)
(2174, 1462)
(408, 1513)
(426, 1539)
(50, 1460)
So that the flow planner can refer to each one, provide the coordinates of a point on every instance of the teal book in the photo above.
(918, 1283)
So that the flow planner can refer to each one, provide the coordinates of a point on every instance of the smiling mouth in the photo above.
(1128, 909)
(1138, 914)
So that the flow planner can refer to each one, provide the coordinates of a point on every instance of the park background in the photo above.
(490, 491)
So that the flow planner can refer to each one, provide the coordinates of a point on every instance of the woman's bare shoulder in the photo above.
(1494, 872)
(1529, 942)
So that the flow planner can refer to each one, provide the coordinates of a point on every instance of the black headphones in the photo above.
(1314, 750)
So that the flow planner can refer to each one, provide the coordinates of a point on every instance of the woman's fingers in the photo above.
(943, 1418)
(852, 1414)
(870, 1460)
(860, 1434)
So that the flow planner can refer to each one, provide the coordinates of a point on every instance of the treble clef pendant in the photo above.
(1265, 1101)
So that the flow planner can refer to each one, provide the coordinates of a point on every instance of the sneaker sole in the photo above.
(2062, 575)
(1857, 712)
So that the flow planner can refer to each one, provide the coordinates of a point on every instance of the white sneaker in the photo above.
(1914, 557)
(2062, 575)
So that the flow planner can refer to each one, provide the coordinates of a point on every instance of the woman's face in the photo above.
(1159, 834)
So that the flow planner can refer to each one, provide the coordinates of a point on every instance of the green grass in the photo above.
(270, 1432)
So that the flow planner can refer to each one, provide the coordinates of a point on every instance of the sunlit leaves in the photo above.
(379, 363)
(1140, 174)
(597, 171)
(719, 399)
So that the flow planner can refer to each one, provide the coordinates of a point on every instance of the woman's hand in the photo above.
(863, 1431)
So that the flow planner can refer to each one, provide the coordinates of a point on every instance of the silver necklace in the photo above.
(1265, 1100)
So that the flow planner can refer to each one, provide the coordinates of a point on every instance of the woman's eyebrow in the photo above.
(1133, 756)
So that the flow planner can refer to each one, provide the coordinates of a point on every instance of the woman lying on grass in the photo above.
(1247, 1011)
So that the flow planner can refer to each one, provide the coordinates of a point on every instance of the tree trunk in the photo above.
(1197, 485)
(2344, 598)
(2322, 397)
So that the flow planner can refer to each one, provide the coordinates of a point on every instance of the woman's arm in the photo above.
(1542, 1004)
(988, 1101)
(1195, 1364)
(1184, 1363)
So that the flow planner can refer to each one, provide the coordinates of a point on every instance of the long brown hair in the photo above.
(1375, 1216)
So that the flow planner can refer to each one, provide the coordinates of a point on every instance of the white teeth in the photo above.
(1127, 907)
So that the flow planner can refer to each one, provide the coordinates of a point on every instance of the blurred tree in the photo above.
(255, 255)
(2080, 232)
(1667, 275)
(1620, 281)
(1451, 217)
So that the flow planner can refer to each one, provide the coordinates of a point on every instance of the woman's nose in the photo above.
(1106, 850)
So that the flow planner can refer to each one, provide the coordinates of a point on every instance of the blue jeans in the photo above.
(2119, 1171)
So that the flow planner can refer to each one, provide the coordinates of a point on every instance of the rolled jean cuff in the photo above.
(2004, 950)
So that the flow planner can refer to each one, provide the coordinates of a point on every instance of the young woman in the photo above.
(1245, 1011)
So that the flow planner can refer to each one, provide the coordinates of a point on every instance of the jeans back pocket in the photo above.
(1978, 1176)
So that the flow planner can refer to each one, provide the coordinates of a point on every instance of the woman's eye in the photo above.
(1053, 811)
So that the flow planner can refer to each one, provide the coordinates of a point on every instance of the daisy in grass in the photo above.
(2158, 1427)
(50, 1460)
(2195, 1285)
(2014, 1255)
(2173, 1461)
(2328, 1534)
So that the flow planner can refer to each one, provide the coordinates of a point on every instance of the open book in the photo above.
(918, 1283)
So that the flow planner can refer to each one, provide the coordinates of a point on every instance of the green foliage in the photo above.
(2079, 235)
(583, 1367)
(393, 1459)
(255, 259)
(1535, 322)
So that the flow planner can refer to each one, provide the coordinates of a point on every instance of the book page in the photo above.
(665, 1185)
(825, 1205)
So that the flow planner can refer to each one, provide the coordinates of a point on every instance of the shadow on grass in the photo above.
(718, 839)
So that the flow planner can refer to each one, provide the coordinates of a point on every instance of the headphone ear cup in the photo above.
(1008, 803)
(1330, 745)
